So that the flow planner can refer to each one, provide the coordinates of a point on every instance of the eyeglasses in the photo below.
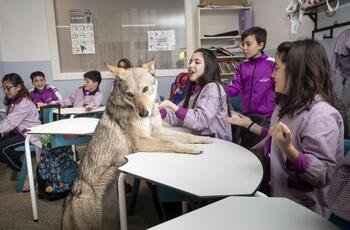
(7, 88)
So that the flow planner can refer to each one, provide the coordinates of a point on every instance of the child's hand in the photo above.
(281, 134)
(283, 137)
(238, 119)
(89, 107)
(39, 104)
(167, 104)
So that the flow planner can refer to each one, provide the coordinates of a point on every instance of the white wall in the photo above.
(24, 33)
(271, 15)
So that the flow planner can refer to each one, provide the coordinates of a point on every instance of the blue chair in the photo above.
(47, 115)
(346, 146)
(236, 103)
(162, 194)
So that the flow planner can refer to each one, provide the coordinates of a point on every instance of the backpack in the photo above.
(179, 87)
(56, 171)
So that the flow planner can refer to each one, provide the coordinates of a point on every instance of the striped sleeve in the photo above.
(339, 192)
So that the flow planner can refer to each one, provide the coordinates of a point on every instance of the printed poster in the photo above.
(82, 32)
(161, 40)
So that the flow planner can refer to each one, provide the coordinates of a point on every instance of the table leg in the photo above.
(31, 178)
(122, 202)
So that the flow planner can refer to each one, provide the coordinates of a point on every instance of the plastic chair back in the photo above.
(47, 114)
(346, 146)
(236, 103)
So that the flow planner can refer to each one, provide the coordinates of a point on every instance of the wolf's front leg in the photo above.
(167, 134)
(160, 145)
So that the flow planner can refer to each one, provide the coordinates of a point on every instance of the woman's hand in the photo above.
(282, 135)
(168, 104)
(239, 120)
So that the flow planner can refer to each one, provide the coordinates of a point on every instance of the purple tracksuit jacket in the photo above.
(254, 83)
(50, 95)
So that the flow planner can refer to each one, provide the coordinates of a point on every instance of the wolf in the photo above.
(130, 123)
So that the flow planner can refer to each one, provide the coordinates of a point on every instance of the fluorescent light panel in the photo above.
(138, 25)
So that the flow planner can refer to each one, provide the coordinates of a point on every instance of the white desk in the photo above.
(249, 213)
(224, 169)
(74, 111)
(76, 126)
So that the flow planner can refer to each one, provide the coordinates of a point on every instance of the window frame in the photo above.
(54, 52)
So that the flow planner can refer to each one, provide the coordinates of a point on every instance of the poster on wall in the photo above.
(161, 40)
(82, 32)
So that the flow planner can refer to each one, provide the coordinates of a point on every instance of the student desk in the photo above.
(74, 111)
(76, 126)
(249, 213)
(223, 169)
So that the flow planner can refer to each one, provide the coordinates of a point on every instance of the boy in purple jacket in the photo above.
(89, 95)
(254, 83)
(43, 94)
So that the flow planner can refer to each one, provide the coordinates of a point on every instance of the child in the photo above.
(253, 82)
(21, 114)
(42, 93)
(89, 95)
(205, 103)
(122, 63)
(306, 129)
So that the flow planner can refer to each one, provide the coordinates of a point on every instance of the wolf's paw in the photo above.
(195, 150)
(205, 140)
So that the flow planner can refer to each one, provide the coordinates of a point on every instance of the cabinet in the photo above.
(213, 21)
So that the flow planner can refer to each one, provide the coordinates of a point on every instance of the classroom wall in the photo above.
(24, 46)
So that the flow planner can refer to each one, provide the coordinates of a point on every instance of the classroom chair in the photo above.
(160, 194)
(346, 146)
(236, 103)
(46, 115)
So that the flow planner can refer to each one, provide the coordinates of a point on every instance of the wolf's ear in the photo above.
(150, 65)
(115, 70)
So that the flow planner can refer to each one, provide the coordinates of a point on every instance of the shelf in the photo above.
(313, 11)
(220, 8)
(226, 74)
(221, 37)
(229, 57)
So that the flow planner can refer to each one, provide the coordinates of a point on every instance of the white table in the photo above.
(74, 111)
(76, 126)
(249, 213)
(224, 169)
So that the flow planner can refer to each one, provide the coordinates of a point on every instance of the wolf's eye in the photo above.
(129, 94)
(145, 89)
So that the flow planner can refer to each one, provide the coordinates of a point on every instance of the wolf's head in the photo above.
(135, 87)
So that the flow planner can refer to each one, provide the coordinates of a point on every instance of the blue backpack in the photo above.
(56, 171)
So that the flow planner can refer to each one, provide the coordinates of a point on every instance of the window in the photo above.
(121, 29)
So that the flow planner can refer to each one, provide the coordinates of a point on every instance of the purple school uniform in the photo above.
(49, 95)
(21, 115)
(206, 116)
(254, 83)
(80, 98)
(318, 136)
(339, 191)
